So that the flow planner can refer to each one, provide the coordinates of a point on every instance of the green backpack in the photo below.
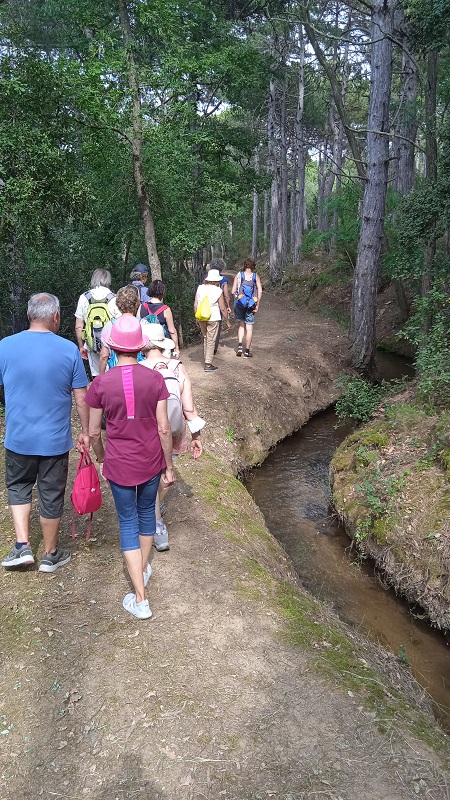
(97, 317)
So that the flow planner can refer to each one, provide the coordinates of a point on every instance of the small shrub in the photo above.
(231, 436)
(359, 400)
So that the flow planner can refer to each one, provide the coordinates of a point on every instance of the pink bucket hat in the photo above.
(126, 335)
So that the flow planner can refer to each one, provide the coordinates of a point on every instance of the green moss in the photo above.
(376, 435)
(380, 530)
(375, 439)
(342, 460)
(365, 457)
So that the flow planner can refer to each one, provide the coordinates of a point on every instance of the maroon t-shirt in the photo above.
(129, 396)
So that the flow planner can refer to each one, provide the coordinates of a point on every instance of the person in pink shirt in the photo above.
(138, 450)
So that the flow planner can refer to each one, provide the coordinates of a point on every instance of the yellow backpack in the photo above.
(203, 312)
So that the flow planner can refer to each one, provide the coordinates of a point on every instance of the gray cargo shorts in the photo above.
(50, 473)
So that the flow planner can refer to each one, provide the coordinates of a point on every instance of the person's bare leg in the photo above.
(50, 530)
(158, 504)
(249, 335)
(162, 492)
(21, 521)
(134, 562)
(146, 548)
(241, 332)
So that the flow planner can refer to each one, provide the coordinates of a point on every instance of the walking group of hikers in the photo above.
(147, 411)
(212, 306)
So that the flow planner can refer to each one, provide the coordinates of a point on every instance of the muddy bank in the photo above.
(391, 488)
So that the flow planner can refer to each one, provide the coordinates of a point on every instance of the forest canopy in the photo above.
(167, 132)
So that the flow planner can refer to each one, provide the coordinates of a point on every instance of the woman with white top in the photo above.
(211, 289)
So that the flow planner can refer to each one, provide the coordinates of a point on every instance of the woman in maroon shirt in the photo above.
(138, 450)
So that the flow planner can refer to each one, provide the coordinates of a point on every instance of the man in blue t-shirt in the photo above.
(39, 372)
(138, 277)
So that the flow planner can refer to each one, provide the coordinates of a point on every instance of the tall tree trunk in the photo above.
(321, 180)
(300, 160)
(339, 138)
(407, 127)
(405, 138)
(255, 212)
(266, 218)
(431, 162)
(273, 168)
(365, 284)
(291, 193)
(283, 182)
(137, 146)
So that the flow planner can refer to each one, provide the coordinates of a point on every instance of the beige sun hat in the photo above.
(155, 333)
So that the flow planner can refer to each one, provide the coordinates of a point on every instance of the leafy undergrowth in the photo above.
(391, 487)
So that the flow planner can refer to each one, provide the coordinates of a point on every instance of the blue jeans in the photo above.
(135, 506)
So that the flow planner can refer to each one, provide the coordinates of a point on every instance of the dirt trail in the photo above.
(241, 686)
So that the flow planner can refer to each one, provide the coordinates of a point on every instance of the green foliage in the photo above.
(359, 399)
(231, 436)
(428, 23)
(429, 330)
(378, 493)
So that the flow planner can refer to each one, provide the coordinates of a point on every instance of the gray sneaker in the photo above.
(18, 557)
(161, 537)
(51, 563)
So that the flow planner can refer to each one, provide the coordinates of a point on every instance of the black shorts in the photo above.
(50, 472)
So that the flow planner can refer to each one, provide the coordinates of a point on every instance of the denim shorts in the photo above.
(135, 506)
(242, 315)
(50, 472)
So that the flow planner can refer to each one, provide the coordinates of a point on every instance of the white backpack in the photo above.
(174, 404)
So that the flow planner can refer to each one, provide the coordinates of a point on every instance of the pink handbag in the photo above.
(86, 494)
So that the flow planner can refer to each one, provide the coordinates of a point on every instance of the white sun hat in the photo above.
(213, 276)
(155, 333)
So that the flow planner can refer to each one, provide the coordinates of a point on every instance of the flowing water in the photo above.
(292, 490)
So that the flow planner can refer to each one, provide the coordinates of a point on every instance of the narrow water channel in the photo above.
(292, 490)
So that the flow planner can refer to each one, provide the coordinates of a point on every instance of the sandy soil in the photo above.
(227, 692)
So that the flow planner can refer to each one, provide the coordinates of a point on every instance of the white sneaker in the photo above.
(147, 575)
(161, 537)
(140, 610)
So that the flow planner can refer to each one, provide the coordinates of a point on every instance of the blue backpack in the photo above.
(246, 294)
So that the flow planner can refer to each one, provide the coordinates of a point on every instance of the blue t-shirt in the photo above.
(143, 291)
(39, 371)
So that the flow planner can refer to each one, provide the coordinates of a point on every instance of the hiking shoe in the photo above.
(161, 537)
(147, 575)
(50, 563)
(18, 557)
(248, 354)
(140, 610)
(239, 350)
(210, 368)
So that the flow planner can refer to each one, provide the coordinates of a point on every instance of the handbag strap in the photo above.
(88, 532)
